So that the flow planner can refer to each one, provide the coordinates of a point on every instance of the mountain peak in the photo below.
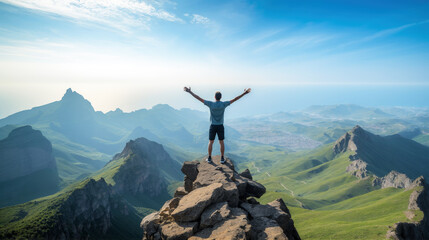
(75, 103)
(348, 140)
(358, 130)
(162, 107)
(70, 94)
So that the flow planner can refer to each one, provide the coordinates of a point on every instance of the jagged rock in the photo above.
(217, 190)
(276, 211)
(180, 192)
(246, 174)
(231, 194)
(214, 214)
(419, 200)
(284, 220)
(178, 230)
(265, 228)
(150, 223)
(192, 205)
(279, 204)
(258, 210)
(396, 180)
(252, 201)
(235, 227)
(190, 169)
(357, 168)
(188, 184)
(255, 189)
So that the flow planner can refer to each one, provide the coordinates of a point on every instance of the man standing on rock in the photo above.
(217, 110)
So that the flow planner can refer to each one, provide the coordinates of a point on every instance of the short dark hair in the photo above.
(218, 96)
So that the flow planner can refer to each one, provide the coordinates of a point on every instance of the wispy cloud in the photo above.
(120, 14)
(383, 33)
(295, 41)
(258, 37)
(198, 19)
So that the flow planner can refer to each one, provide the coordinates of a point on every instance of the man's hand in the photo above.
(246, 91)
(186, 89)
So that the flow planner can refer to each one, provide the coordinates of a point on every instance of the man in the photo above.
(217, 110)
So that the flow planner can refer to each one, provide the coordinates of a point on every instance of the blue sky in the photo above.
(133, 54)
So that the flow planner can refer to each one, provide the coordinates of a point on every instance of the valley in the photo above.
(344, 171)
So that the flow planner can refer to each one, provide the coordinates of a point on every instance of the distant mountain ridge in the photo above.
(381, 155)
(84, 139)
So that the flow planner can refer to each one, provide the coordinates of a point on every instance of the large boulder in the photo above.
(265, 228)
(235, 227)
(192, 205)
(214, 214)
(178, 230)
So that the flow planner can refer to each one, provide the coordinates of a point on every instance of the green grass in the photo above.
(328, 203)
(363, 217)
(423, 139)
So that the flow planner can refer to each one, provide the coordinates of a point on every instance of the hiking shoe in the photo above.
(222, 160)
(209, 159)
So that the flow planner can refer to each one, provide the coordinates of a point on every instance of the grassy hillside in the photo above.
(423, 139)
(327, 202)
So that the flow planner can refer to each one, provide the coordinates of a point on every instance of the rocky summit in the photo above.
(216, 202)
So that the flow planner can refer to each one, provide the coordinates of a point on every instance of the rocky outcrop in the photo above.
(419, 201)
(394, 179)
(357, 168)
(27, 167)
(216, 203)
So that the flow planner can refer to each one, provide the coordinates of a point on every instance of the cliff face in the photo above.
(394, 179)
(419, 200)
(27, 167)
(86, 212)
(23, 152)
(216, 203)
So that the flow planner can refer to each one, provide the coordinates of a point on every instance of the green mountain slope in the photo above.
(330, 203)
(108, 205)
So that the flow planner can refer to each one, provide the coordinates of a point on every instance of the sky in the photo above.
(133, 54)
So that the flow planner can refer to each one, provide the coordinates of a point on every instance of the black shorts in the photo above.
(217, 129)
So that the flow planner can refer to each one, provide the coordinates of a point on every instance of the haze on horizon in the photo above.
(134, 54)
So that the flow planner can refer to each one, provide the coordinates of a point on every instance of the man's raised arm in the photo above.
(186, 89)
(246, 91)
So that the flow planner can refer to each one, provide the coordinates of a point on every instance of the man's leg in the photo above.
(212, 135)
(210, 148)
(222, 147)
(221, 136)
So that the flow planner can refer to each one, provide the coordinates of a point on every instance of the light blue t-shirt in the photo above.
(217, 109)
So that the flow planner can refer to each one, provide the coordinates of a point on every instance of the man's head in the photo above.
(218, 96)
